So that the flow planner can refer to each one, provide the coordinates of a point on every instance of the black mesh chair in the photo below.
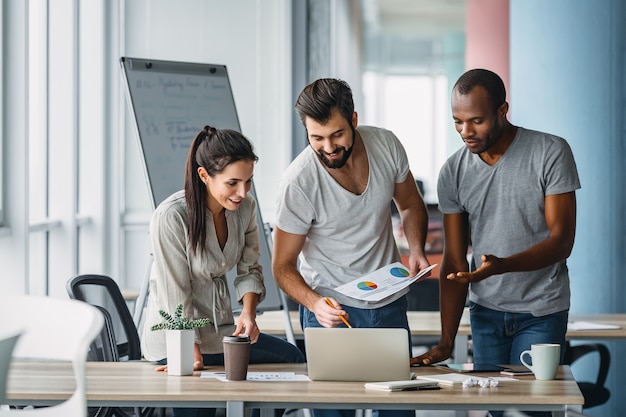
(103, 348)
(123, 340)
(595, 393)
(103, 291)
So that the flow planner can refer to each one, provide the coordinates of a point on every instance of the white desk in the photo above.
(123, 384)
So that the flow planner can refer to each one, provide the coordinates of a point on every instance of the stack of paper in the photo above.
(587, 325)
(382, 283)
(445, 379)
(402, 385)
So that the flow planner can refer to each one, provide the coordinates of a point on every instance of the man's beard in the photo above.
(338, 163)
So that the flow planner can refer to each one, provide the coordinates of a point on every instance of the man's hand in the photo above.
(436, 354)
(417, 263)
(328, 316)
(491, 265)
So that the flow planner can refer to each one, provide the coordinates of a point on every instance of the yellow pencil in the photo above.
(341, 317)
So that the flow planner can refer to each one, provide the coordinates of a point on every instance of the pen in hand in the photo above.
(340, 316)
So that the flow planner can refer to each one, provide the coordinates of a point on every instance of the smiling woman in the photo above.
(200, 233)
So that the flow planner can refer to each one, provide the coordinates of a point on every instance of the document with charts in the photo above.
(381, 283)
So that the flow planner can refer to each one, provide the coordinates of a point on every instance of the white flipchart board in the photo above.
(171, 102)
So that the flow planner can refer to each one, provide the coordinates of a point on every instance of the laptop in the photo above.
(357, 354)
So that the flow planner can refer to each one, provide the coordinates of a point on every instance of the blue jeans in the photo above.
(500, 337)
(267, 349)
(392, 315)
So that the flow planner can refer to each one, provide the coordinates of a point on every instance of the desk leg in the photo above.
(267, 412)
(460, 349)
(235, 409)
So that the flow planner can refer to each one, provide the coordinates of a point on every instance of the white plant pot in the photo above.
(180, 351)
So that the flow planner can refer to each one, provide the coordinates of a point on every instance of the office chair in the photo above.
(8, 340)
(53, 329)
(103, 348)
(103, 291)
(123, 339)
(595, 393)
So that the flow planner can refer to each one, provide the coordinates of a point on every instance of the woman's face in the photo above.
(227, 189)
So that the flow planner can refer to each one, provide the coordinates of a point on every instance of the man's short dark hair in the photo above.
(318, 100)
(486, 79)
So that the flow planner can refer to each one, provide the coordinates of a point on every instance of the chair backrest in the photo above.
(7, 344)
(595, 392)
(53, 329)
(103, 348)
(103, 291)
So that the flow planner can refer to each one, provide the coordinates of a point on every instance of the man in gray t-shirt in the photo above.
(510, 192)
(334, 214)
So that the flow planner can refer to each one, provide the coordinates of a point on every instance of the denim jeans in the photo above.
(392, 315)
(500, 337)
(267, 349)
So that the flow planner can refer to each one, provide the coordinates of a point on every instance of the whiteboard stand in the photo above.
(283, 298)
(142, 298)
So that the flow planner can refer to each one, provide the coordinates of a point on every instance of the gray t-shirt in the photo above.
(506, 207)
(347, 235)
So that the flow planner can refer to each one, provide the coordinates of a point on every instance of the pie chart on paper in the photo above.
(399, 272)
(366, 285)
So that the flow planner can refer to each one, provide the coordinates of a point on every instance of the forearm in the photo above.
(452, 295)
(541, 255)
(452, 298)
(292, 283)
(250, 301)
(560, 214)
(415, 227)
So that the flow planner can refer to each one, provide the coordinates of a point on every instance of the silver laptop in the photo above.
(357, 354)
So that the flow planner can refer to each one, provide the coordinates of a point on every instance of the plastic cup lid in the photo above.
(237, 339)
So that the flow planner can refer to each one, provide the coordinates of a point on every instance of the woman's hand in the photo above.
(197, 366)
(198, 363)
(246, 326)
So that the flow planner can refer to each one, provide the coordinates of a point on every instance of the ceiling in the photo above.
(410, 18)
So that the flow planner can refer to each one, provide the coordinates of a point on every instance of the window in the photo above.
(415, 108)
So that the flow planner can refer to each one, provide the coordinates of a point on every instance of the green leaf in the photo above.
(178, 322)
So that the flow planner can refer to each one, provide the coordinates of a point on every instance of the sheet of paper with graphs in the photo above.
(381, 283)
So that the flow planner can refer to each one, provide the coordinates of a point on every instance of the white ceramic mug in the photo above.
(545, 359)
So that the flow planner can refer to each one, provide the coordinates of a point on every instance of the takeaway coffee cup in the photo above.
(545, 358)
(236, 355)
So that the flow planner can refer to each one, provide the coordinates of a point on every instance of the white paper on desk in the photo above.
(260, 376)
(587, 325)
(381, 283)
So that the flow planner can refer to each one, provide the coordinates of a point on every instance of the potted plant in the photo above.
(179, 338)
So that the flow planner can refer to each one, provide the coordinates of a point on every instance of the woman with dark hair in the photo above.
(199, 234)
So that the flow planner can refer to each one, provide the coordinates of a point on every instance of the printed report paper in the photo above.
(381, 283)
(261, 376)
